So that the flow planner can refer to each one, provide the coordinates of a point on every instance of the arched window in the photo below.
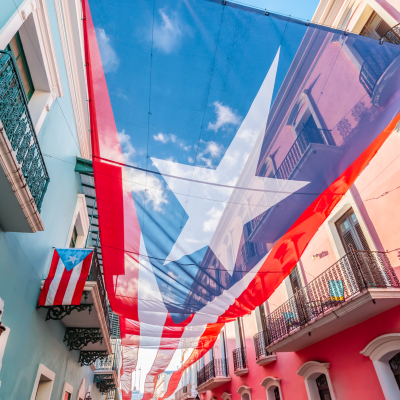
(272, 387)
(384, 352)
(245, 392)
(317, 380)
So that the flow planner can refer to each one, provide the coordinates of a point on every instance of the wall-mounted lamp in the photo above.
(88, 396)
(2, 327)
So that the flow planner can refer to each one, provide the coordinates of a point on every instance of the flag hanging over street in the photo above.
(222, 138)
(69, 271)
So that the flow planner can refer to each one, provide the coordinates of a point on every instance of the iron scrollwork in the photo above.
(77, 338)
(105, 386)
(59, 312)
(89, 357)
(101, 377)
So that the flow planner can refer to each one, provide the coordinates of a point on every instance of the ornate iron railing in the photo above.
(299, 147)
(392, 35)
(260, 343)
(218, 367)
(112, 361)
(96, 276)
(184, 392)
(239, 358)
(17, 122)
(351, 275)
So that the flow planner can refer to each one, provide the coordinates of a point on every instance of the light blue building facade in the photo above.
(47, 201)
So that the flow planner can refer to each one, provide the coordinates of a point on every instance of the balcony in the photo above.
(212, 375)
(311, 149)
(106, 369)
(392, 35)
(240, 362)
(359, 286)
(23, 176)
(187, 392)
(263, 357)
(90, 326)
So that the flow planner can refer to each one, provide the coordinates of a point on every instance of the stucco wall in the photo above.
(25, 258)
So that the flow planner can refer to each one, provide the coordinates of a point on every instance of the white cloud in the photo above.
(167, 34)
(225, 116)
(109, 58)
(210, 225)
(211, 151)
(190, 159)
(128, 150)
(161, 138)
(147, 184)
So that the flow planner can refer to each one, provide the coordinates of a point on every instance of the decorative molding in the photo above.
(81, 391)
(18, 183)
(381, 346)
(89, 357)
(269, 384)
(226, 396)
(50, 375)
(69, 13)
(244, 389)
(78, 338)
(67, 389)
(310, 372)
(59, 312)
(81, 220)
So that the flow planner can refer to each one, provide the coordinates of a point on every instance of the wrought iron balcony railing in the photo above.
(218, 367)
(96, 276)
(299, 147)
(392, 35)
(18, 126)
(184, 392)
(354, 273)
(111, 363)
(239, 358)
(260, 343)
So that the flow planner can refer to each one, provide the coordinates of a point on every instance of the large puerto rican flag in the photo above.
(68, 273)
(222, 138)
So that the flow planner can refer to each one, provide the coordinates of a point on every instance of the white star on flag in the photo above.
(205, 204)
(73, 259)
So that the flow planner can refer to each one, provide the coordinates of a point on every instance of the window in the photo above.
(67, 396)
(350, 232)
(375, 27)
(317, 380)
(295, 280)
(323, 388)
(74, 236)
(43, 384)
(395, 367)
(240, 331)
(15, 46)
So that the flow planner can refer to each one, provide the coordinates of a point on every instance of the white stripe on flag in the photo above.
(55, 283)
(73, 280)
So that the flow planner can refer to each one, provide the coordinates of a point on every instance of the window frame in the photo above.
(24, 62)
(49, 374)
(68, 388)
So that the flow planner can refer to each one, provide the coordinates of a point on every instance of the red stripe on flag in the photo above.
(49, 279)
(80, 285)
(62, 287)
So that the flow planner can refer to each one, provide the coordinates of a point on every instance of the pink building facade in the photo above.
(331, 330)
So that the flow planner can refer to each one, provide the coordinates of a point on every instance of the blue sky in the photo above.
(301, 9)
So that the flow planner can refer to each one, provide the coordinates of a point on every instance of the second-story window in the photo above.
(74, 236)
(15, 46)
(375, 27)
(351, 233)
(295, 281)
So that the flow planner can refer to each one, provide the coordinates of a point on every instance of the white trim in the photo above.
(69, 14)
(50, 375)
(244, 390)
(81, 391)
(38, 39)
(18, 184)
(67, 389)
(81, 220)
(380, 351)
(269, 384)
(310, 372)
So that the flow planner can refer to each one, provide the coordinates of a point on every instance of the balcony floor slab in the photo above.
(213, 383)
(266, 360)
(240, 372)
(350, 313)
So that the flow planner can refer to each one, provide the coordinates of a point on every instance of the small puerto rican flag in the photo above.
(68, 273)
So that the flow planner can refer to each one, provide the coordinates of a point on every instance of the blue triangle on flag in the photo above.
(72, 257)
